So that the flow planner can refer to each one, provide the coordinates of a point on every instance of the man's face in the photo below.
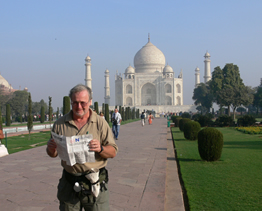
(80, 103)
(116, 110)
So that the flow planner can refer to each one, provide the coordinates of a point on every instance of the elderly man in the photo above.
(116, 120)
(82, 120)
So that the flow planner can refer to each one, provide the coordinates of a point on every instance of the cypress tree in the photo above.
(123, 114)
(57, 113)
(96, 107)
(8, 115)
(107, 113)
(103, 108)
(50, 110)
(120, 110)
(30, 117)
(1, 120)
(66, 105)
(42, 118)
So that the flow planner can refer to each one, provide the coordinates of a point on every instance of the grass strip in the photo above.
(233, 183)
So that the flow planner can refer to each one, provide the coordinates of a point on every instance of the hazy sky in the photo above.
(43, 43)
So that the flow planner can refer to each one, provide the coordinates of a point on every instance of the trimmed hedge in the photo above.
(182, 122)
(191, 130)
(210, 144)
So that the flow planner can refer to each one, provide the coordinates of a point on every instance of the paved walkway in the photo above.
(143, 175)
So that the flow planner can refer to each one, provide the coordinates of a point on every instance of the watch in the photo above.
(102, 149)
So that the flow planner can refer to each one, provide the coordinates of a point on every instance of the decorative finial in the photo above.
(148, 37)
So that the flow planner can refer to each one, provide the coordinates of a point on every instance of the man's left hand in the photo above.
(94, 145)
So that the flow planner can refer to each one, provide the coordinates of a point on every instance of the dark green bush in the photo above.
(191, 130)
(177, 119)
(186, 115)
(182, 122)
(210, 144)
(246, 120)
(204, 120)
(224, 120)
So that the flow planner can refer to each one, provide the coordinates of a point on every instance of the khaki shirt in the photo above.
(97, 126)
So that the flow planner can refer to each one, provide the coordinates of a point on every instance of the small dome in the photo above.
(168, 69)
(130, 70)
(25, 89)
(88, 58)
(106, 71)
(207, 54)
(197, 69)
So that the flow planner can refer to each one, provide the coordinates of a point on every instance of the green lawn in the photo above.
(233, 183)
(22, 142)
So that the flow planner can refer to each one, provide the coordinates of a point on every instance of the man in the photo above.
(143, 117)
(82, 120)
(116, 120)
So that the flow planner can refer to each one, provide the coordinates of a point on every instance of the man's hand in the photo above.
(51, 148)
(94, 145)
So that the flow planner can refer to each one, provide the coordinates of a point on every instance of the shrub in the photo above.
(182, 122)
(224, 120)
(177, 119)
(204, 120)
(191, 130)
(186, 115)
(210, 144)
(246, 121)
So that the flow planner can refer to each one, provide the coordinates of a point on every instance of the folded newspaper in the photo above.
(74, 149)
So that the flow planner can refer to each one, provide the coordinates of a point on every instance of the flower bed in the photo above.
(250, 130)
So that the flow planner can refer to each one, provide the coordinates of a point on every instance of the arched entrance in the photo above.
(148, 94)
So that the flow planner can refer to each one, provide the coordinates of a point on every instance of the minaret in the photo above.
(197, 77)
(107, 88)
(207, 75)
(88, 78)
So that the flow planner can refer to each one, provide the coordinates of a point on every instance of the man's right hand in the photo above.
(51, 148)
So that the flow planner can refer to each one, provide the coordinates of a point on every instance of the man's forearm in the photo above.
(108, 152)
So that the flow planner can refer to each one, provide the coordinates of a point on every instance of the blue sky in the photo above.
(44, 43)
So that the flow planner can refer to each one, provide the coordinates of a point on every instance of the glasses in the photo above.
(83, 104)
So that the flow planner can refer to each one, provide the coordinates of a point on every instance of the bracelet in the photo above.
(102, 149)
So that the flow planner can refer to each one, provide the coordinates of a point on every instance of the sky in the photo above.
(44, 43)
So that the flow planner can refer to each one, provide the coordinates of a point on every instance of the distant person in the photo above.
(116, 121)
(74, 188)
(150, 118)
(102, 115)
(143, 117)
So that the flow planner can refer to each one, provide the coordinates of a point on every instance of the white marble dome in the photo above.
(106, 71)
(168, 69)
(207, 54)
(5, 82)
(149, 59)
(130, 70)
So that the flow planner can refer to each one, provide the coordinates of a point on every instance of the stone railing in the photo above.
(24, 128)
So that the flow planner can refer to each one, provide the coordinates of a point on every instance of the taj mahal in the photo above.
(149, 85)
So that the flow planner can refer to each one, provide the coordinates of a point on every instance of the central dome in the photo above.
(149, 59)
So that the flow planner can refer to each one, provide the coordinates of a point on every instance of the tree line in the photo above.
(18, 107)
(227, 90)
